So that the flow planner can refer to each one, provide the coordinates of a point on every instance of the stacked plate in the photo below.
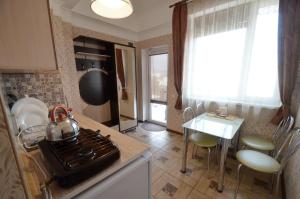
(30, 112)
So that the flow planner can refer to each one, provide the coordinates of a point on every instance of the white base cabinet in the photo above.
(131, 182)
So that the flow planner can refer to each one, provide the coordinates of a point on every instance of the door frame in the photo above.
(156, 51)
(123, 46)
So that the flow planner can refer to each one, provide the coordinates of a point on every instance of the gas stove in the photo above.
(75, 160)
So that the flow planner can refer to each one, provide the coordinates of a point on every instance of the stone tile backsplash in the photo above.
(46, 87)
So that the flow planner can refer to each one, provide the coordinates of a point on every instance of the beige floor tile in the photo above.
(164, 160)
(197, 195)
(197, 183)
(158, 142)
(208, 186)
(256, 195)
(131, 134)
(176, 148)
(226, 194)
(246, 181)
(262, 183)
(172, 137)
(204, 184)
(153, 149)
(201, 162)
(145, 137)
(157, 172)
(170, 187)
(154, 139)
(191, 176)
(242, 194)
(252, 180)
(158, 133)
(201, 157)
(136, 136)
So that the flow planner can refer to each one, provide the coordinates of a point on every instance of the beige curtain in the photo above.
(288, 52)
(179, 25)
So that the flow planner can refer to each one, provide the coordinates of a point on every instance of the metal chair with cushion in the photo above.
(261, 162)
(262, 144)
(200, 108)
(199, 139)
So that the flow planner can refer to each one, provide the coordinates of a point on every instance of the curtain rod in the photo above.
(182, 1)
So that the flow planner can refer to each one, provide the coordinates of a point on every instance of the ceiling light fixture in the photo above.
(115, 9)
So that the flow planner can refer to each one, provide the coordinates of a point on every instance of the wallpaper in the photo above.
(63, 39)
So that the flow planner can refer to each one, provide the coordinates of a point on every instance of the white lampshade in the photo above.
(114, 9)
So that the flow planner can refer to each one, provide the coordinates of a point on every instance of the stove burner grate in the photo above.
(88, 147)
(79, 158)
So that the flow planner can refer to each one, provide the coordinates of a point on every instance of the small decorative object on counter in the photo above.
(62, 126)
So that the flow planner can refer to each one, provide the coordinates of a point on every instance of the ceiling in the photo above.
(147, 14)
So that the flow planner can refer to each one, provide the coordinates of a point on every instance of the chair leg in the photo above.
(272, 182)
(273, 153)
(196, 152)
(208, 159)
(238, 180)
(277, 184)
(217, 153)
(193, 151)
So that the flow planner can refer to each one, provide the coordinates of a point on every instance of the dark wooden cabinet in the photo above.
(94, 55)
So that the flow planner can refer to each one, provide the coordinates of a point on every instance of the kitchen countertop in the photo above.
(130, 149)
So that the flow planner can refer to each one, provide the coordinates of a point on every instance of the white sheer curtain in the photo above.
(231, 52)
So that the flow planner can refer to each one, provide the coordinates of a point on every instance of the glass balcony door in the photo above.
(158, 84)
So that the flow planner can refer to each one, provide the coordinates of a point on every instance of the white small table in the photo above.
(223, 128)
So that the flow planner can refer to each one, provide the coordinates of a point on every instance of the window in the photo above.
(232, 54)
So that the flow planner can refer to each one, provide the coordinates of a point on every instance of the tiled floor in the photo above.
(196, 183)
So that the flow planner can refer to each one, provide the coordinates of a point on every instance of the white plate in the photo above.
(25, 102)
(29, 108)
(31, 116)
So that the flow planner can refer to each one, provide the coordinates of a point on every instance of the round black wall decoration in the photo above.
(93, 87)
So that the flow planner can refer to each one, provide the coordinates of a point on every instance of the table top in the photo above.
(214, 125)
